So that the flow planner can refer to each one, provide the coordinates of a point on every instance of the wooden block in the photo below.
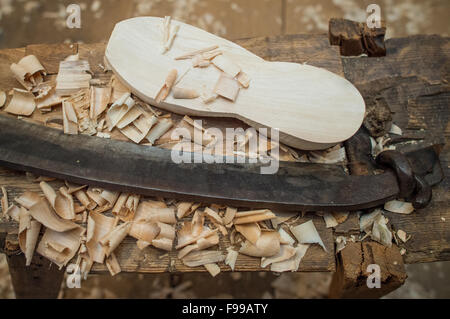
(350, 279)
(355, 38)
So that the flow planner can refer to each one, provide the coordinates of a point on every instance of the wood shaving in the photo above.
(99, 100)
(64, 205)
(28, 71)
(231, 258)
(158, 130)
(399, 207)
(113, 265)
(227, 87)
(330, 221)
(2, 98)
(253, 216)
(72, 77)
(167, 87)
(196, 52)
(60, 247)
(184, 93)
(251, 231)
(267, 245)
(380, 232)
(49, 193)
(44, 214)
(28, 199)
(243, 79)
(98, 226)
(285, 252)
(285, 238)
(113, 239)
(22, 103)
(13, 212)
(4, 202)
(230, 213)
(213, 269)
(293, 263)
(70, 119)
(118, 110)
(395, 130)
(149, 212)
(203, 257)
(306, 233)
(402, 235)
(28, 235)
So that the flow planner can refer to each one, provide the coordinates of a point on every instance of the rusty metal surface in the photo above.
(146, 170)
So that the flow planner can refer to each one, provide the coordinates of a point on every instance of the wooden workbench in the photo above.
(413, 79)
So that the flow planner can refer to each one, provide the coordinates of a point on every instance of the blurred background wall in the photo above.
(30, 21)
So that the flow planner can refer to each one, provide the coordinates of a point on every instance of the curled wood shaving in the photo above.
(213, 216)
(227, 87)
(183, 209)
(96, 195)
(144, 230)
(28, 234)
(44, 214)
(13, 212)
(168, 83)
(28, 71)
(100, 97)
(285, 238)
(203, 257)
(49, 193)
(267, 245)
(213, 269)
(118, 110)
(98, 226)
(147, 211)
(306, 233)
(126, 206)
(46, 102)
(22, 103)
(84, 199)
(64, 205)
(28, 199)
(112, 240)
(163, 243)
(253, 216)
(184, 93)
(230, 213)
(251, 231)
(70, 120)
(113, 265)
(293, 263)
(60, 247)
(399, 207)
(208, 97)
(402, 235)
(285, 252)
(118, 89)
(73, 76)
(231, 258)
(156, 132)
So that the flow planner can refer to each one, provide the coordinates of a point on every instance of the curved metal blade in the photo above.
(146, 170)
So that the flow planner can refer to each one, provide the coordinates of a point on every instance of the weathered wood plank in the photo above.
(413, 81)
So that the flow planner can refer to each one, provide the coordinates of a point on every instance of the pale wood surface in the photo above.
(312, 107)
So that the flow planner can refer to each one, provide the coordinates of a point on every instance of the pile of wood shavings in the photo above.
(88, 224)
